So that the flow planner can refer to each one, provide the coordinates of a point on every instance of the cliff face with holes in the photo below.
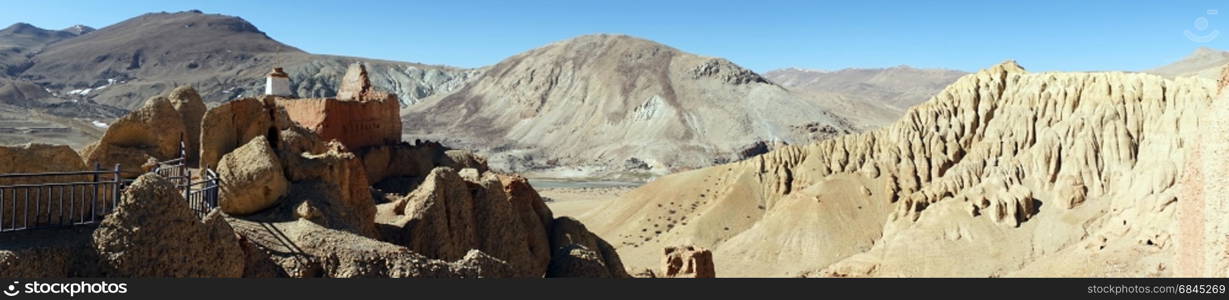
(1003, 173)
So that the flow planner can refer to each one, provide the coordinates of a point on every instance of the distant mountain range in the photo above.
(1203, 62)
(596, 105)
(224, 57)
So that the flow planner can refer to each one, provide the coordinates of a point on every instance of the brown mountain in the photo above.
(223, 57)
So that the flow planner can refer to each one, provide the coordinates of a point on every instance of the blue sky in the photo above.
(761, 35)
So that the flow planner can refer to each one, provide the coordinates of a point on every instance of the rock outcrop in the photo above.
(340, 176)
(972, 173)
(233, 124)
(35, 158)
(153, 131)
(192, 110)
(687, 262)
(576, 252)
(355, 83)
(153, 233)
(451, 213)
(252, 178)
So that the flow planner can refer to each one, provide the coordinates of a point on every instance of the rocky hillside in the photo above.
(871, 97)
(602, 104)
(1203, 62)
(224, 57)
(19, 41)
(1003, 173)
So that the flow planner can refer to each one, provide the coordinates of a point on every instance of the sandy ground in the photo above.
(575, 201)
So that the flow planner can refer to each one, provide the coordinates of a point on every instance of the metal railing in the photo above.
(60, 199)
(202, 195)
(57, 199)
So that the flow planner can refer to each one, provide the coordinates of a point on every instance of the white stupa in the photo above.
(277, 83)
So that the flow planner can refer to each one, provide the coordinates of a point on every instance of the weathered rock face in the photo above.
(192, 109)
(340, 173)
(533, 214)
(153, 131)
(576, 252)
(451, 213)
(252, 178)
(35, 158)
(1203, 231)
(687, 262)
(153, 233)
(232, 124)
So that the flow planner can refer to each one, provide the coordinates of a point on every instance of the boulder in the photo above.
(153, 233)
(415, 160)
(153, 131)
(687, 262)
(251, 178)
(577, 252)
(234, 123)
(191, 110)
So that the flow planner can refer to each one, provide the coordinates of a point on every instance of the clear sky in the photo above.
(1075, 35)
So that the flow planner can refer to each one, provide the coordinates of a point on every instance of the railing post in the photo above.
(94, 201)
(116, 190)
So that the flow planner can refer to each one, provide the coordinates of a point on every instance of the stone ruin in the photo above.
(359, 117)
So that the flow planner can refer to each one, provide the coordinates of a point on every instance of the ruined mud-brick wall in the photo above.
(373, 120)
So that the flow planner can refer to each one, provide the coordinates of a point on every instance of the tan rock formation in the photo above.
(687, 262)
(234, 123)
(449, 214)
(251, 178)
(153, 131)
(344, 176)
(998, 140)
(355, 83)
(153, 233)
(192, 109)
(35, 158)
(1202, 226)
